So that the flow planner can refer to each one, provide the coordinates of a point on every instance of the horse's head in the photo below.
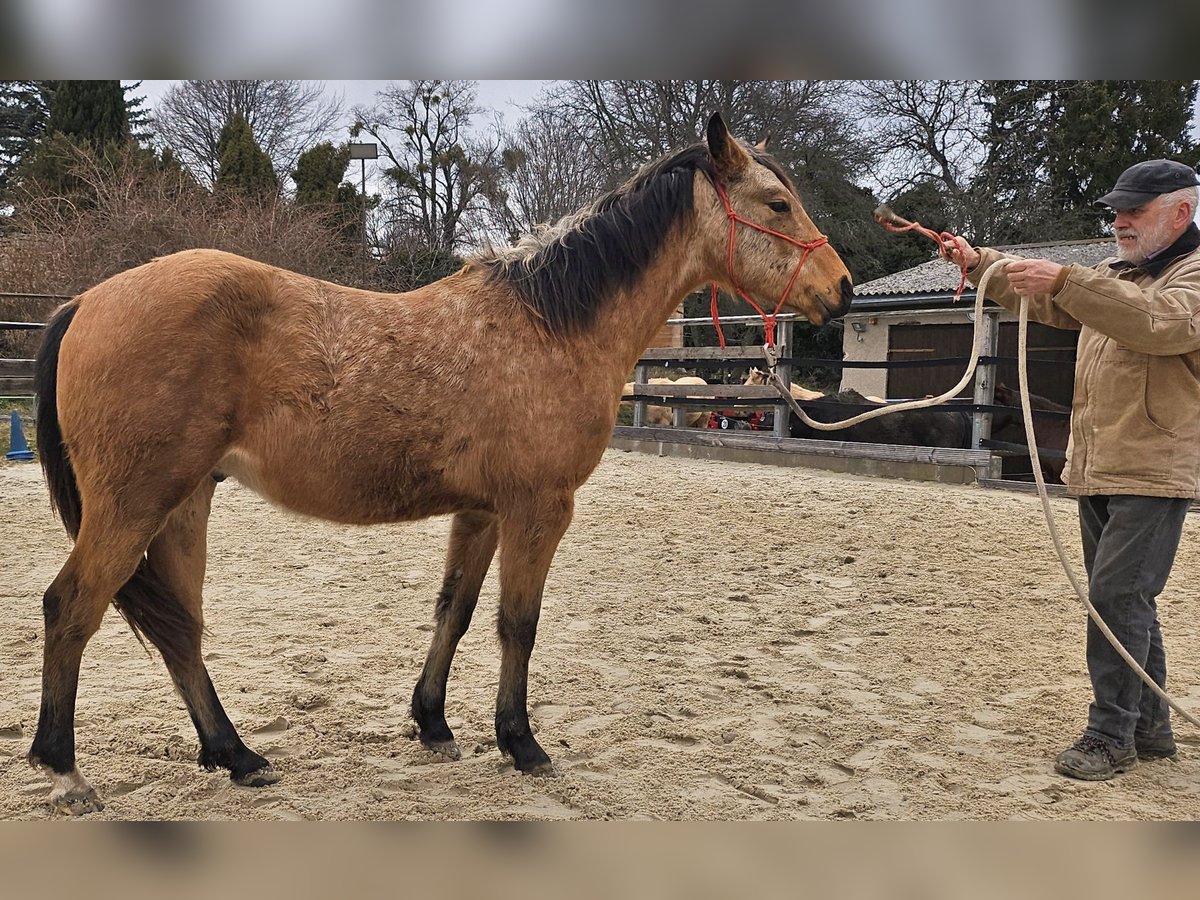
(755, 376)
(778, 256)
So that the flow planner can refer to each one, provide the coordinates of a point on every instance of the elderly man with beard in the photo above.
(1134, 452)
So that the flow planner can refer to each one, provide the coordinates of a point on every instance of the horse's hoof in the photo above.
(534, 763)
(258, 778)
(76, 803)
(448, 749)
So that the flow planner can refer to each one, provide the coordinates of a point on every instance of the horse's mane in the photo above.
(564, 272)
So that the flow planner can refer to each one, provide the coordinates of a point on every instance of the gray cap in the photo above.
(1141, 183)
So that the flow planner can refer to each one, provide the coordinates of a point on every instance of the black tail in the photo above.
(154, 611)
(64, 492)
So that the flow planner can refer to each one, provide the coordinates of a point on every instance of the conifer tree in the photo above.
(23, 116)
(244, 166)
(319, 172)
(319, 182)
(91, 112)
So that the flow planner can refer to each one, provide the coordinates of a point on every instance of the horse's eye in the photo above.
(779, 206)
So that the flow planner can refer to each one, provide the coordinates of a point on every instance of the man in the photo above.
(1134, 452)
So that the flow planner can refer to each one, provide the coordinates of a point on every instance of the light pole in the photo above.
(363, 152)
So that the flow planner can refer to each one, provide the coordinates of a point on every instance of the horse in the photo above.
(664, 415)
(1051, 432)
(758, 376)
(167, 377)
(918, 428)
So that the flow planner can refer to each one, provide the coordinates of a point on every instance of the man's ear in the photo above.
(727, 153)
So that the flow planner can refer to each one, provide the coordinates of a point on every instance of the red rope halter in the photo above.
(768, 318)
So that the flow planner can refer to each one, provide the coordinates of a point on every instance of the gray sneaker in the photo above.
(1092, 759)
(1149, 748)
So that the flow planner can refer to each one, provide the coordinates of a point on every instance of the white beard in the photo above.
(1150, 239)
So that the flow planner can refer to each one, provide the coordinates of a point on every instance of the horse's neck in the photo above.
(634, 316)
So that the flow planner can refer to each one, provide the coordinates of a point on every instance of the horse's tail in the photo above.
(60, 476)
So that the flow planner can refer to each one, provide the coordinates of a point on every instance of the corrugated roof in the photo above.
(940, 277)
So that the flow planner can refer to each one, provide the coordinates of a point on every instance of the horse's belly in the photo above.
(344, 490)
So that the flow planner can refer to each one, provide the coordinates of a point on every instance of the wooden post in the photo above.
(783, 345)
(985, 388)
(639, 406)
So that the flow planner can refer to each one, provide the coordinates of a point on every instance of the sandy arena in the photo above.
(719, 641)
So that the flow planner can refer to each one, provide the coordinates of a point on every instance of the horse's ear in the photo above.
(761, 146)
(727, 153)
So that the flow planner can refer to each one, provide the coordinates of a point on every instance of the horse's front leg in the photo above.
(528, 538)
(472, 546)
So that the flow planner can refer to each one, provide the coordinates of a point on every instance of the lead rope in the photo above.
(1027, 415)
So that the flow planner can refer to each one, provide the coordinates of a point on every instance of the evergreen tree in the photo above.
(140, 124)
(319, 172)
(318, 177)
(1053, 147)
(244, 166)
(1107, 126)
(83, 118)
(24, 111)
(91, 112)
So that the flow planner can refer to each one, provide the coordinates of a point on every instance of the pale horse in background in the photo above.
(662, 415)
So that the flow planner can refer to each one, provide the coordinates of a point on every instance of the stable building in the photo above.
(911, 317)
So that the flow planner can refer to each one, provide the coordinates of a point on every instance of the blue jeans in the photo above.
(1129, 546)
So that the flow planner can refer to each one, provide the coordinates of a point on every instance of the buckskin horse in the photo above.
(164, 378)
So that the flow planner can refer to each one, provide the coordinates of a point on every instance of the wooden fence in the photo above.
(981, 462)
(21, 317)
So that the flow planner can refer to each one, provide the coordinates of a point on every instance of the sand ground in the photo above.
(718, 641)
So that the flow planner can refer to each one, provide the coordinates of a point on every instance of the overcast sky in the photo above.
(503, 96)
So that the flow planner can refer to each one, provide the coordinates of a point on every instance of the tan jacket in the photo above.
(1135, 419)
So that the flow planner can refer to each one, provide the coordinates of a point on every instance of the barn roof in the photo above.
(933, 283)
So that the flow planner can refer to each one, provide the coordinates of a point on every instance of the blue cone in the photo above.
(18, 447)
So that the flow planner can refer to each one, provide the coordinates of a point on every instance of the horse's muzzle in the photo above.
(846, 289)
(837, 306)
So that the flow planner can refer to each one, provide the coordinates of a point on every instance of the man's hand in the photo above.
(1033, 276)
(958, 251)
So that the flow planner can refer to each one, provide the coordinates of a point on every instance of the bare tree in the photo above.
(928, 131)
(441, 169)
(622, 124)
(543, 175)
(286, 118)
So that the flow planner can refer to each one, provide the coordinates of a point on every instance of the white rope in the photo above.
(976, 350)
(1027, 414)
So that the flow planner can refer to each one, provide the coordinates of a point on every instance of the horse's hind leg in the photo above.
(102, 560)
(175, 563)
(472, 546)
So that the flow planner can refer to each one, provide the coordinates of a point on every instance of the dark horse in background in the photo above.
(165, 377)
(931, 427)
(1051, 431)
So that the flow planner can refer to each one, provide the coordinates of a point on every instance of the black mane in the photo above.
(565, 274)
